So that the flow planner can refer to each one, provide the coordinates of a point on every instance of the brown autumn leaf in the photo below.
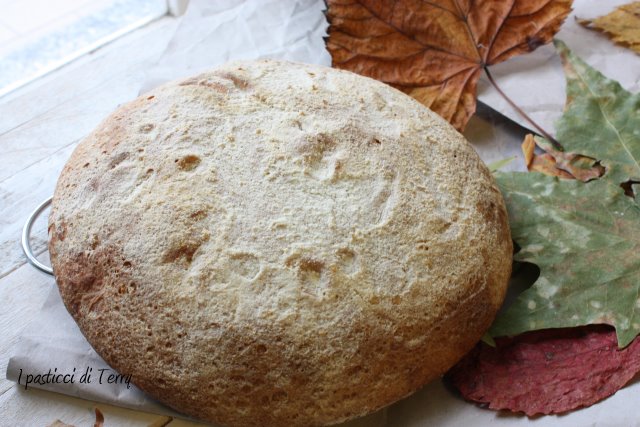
(435, 50)
(622, 25)
(58, 423)
(543, 163)
(99, 418)
(558, 163)
(99, 421)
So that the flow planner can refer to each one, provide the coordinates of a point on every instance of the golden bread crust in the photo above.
(273, 243)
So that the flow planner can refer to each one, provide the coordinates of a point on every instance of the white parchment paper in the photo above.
(53, 343)
(213, 32)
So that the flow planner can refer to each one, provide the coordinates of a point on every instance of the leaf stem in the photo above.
(524, 115)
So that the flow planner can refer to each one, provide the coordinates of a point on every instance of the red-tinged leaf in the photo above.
(547, 371)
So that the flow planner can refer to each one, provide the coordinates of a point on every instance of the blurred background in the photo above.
(38, 36)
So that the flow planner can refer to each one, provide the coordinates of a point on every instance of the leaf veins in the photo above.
(435, 50)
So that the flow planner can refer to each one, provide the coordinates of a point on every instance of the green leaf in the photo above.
(499, 164)
(601, 119)
(488, 339)
(584, 237)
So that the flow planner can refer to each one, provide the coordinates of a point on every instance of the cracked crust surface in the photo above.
(272, 243)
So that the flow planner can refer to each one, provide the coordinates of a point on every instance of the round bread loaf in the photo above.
(279, 244)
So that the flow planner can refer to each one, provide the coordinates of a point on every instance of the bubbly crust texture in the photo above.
(272, 243)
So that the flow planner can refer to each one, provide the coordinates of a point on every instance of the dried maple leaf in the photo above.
(547, 372)
(622, 25)
(436, 50)
(559, 163)
(99, 418)
(58, 423)
(584, 237)
(99, 421)
(601, 119)
(543, 163)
